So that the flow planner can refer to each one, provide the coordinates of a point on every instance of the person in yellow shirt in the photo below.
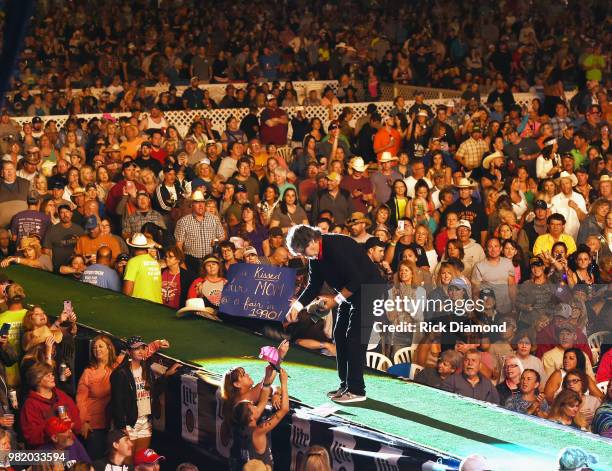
(14, 316)
(555, 233)
(142, 277)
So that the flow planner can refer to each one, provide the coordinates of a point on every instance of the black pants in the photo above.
(350, 352)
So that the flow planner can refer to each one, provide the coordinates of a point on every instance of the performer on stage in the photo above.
(344, 265)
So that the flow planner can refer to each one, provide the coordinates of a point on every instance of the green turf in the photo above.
(432, 418)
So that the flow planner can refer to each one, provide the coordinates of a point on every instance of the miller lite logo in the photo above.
(340, 450)
(300, 441)
(387, 458)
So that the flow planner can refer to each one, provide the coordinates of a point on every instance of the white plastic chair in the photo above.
(603, 386)
(378, 361)
(595, 341)
(414, 370)
(404, 355)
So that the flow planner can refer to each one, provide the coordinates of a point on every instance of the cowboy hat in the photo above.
(39, 335)
(197, 307)
(386, 157)
(198, 197)
(139, 241)
(464, 183)
(113, 148)
(486, 163)
(570, 176)
(358, 217)
(358, 164)
(77, 192)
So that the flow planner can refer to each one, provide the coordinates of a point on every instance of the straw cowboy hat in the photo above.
(358, 217)
(465, 183)
(387, 157)
(140, 241)
(198, 197)
(39, 335)
(358, 164)
(198, 308)
(486, 163)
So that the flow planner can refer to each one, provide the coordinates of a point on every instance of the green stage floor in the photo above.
(431, 418)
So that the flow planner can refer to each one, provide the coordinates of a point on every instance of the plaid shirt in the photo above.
(471, 152)
(134, 222)
(197, 236)
(558, 124)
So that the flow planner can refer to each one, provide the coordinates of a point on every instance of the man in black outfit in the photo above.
(344, 265)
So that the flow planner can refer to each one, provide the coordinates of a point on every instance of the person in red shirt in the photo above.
(274, 123)
(126, 186)
(42, 402)
(158, 152)
(358, 185)
(388, 138)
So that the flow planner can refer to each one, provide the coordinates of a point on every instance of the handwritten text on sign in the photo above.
(258, 291)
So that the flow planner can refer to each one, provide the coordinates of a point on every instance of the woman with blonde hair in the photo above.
(32, 255)
(103, 183)
(39, 185)
(316, 459)
(148, 179)
(405, 286)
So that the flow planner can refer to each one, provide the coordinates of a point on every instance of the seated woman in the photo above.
(577, 381)
(510, 383)
(573, 359)
(32, 255)
(564, 410)
(602, 420)
(252, 436)
(449, 362)
(529, 400)
(42, 402)
(210, 285)
(524, 346)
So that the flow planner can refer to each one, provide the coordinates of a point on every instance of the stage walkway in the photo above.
(433, 419)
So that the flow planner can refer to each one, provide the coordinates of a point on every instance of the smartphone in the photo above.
(129, 185)
(68, 306)
(5, 329)
(400, 225)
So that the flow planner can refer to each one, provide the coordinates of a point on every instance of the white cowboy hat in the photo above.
(464, 183)
(139, 241)
(358, 164)
(197, 306)
(387, 157)
(486, 163)
(570, 176)
(198, 197)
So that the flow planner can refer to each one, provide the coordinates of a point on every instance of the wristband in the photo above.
(339, 299)
(267, 385)
(298, 306)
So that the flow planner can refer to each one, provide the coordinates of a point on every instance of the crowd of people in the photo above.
(478, 199)
(101, 57)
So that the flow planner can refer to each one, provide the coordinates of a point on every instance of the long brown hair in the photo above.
(565, 397)
(112, 353)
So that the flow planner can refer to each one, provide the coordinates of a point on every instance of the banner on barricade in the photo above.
(189, 408)
(258, 291)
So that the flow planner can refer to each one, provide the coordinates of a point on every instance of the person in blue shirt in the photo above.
(100, 273)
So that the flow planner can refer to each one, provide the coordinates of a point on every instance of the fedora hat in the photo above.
(465, 183)
(387, 157)
(197, 307)
(358, 164)
(358, 217)
(486, 163)
(139, 241)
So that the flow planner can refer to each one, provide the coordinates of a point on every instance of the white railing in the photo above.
(182, 120)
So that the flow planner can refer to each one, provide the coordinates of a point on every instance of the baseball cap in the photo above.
(459, 283)
(37, 119)
(129, 164)
(57, 183)
(250, 251)
(55, 425)
(334, 176)
(540, 204)
(147, 456)
(123, 257)
(91, 223)
(374, 242)
(464, 223)
(146, 144)
(135, 341)
(536, 262)
(486, 293)
(270, 97)
(114, 436)
(276, 232)
(32, 198)
(564, 310)
(64, 206)
(240, 188)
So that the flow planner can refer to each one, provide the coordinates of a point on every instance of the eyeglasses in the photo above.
(574, 381)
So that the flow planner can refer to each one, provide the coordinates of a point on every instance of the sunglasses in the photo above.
(333, 126)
